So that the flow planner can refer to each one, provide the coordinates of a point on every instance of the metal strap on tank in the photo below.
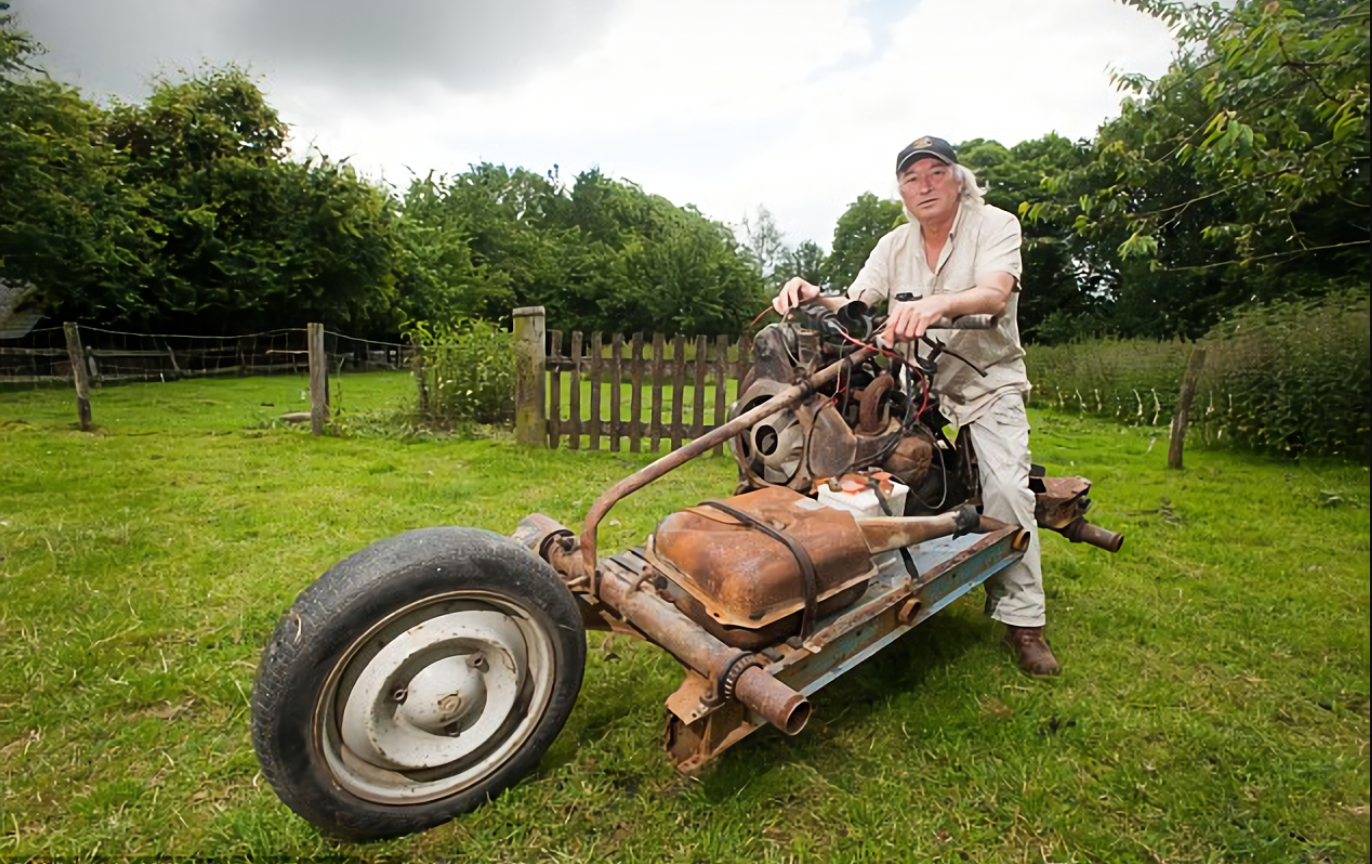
(809, 579)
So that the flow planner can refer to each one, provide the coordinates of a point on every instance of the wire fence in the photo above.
(86, 358)
(43, 356)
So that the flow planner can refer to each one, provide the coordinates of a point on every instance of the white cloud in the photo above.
(798, 105)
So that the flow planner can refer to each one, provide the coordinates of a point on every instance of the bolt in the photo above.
(449, 705)
(399, 695)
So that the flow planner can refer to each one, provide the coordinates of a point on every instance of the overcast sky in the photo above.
(798, 105)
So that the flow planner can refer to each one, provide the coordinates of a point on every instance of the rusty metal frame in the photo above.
(891, 608)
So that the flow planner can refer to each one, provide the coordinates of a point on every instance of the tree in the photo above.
(600, 255)
(807, 261)
(856, 235)
(764, 241)
(1066, 292)
(1242, 174)
(67, 223)
(243, 237)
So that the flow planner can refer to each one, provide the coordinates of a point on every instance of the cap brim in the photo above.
(915, 156)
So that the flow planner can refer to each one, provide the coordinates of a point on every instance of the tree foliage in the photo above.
(186, 212)
(856, 235)
(1239, 176)
(241, 233)
(600, 255)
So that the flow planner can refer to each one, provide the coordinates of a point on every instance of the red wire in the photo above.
(924, 382)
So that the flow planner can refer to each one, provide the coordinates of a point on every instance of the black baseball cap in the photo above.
(926, 146)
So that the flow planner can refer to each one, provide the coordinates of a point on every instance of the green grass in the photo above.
(1214, 705)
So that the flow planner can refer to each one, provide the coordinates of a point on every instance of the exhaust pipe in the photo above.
(1081, 531)
(686, 640)
(885, 533)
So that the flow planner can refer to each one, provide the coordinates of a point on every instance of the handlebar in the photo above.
(967, 322)
(961, 322)
(849, 319)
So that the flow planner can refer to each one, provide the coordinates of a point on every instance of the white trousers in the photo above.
(1000, 437)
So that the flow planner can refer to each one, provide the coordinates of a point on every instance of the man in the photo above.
(960, 256)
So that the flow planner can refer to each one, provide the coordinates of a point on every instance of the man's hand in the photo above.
(908, 321)
(795, 292)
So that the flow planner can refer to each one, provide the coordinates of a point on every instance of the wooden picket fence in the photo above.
(669, 398)
(706, 373)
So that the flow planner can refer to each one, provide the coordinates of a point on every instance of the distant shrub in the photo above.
(1292, 377)
(1135, 380)
(465, 372)
(1288, 377)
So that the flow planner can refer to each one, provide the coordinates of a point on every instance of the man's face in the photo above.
(929, 189)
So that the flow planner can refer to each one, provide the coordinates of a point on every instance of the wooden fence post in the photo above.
(1180, 417)
(597, 347)
(678, 430)
(531, 425)
(636, 395)
(655, 421)
(721, 383)
(574, 392)
(78, 371)
(616, 380)
(698, 388)
(319, 381)
(555, 390)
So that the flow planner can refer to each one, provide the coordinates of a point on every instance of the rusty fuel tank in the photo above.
(757, 558)
(744, 577)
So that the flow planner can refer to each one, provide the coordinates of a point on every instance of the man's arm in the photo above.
(908, 321)
(998, 266)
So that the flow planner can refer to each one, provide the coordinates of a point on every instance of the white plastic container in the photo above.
(861, 500)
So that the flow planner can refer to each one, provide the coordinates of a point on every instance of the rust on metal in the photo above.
(908, 611)
(783, 400)
(911, 459)
(1060, 500)
(1081, 531)
(885, 533)
(869, 418)
(745, 578)
(684, 639)
(783, 707)
(1061, 505)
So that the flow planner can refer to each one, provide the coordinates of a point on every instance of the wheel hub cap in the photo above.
(438, 693)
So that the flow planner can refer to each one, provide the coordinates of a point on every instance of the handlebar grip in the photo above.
(967, 322)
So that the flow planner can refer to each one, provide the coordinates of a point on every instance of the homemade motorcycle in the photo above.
(425, 674)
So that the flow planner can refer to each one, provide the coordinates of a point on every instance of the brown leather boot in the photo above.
(1033, 653)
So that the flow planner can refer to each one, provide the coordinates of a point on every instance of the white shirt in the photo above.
(983, 240)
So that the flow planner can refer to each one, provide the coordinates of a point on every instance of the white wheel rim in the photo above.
(435, 698)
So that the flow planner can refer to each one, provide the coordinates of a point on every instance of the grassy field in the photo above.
(1214, 705)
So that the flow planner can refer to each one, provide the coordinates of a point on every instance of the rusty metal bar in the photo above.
(783, 707)
(780, 402)
(687, 641)
(885, 533)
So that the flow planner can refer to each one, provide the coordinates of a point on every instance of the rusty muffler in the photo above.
(1081, 531)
